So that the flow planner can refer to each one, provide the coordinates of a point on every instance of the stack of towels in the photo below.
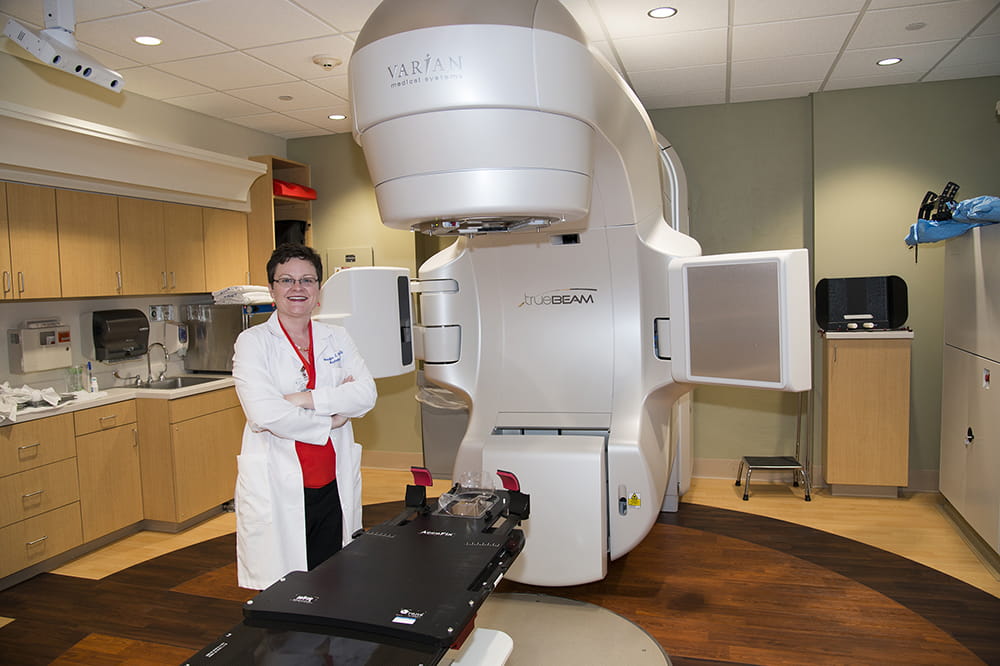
(244, 294)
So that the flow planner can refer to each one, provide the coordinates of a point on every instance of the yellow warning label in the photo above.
(634, 500)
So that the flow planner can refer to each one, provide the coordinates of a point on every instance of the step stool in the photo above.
(790, 463)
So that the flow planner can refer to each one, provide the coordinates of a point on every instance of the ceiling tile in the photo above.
(151, 82)
(783, 91)
(746, 73)
(684, 99)
(945, 73)
(789, 38)
(33, 11)
(274, 123)
(347, 16)
(248, 23)
(296, 57)
(259, 49)
(990, 26)
(117, 34)
(304, 96)
(916, 58)
(28, 12)
(975, 51)
(706, 47)
(890, 79)
(627, 18)
(106, 58)
(766, 11)
(682, 80)
(216, 104)
(952, 20)
(227, 71)
(337, 84)
(320, 118)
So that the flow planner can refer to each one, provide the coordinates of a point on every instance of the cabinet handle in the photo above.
(835, 353)
(36, 541)
(173, 280)
(135, 438)
(20, 282)
(29, 446)
(37, 492)
(163, 274)
(8, 283)
(102, 419)
(118, 277)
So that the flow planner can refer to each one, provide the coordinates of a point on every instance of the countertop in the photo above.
(118, 394)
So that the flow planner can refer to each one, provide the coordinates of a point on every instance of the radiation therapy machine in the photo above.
(569, 312)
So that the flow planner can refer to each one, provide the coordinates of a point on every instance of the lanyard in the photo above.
(308, 365)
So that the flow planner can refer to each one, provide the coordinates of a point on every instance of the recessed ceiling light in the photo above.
(885, 62)
(147, 40)
(337, 116)
(661, 12)
(285, 98)
(917, 25)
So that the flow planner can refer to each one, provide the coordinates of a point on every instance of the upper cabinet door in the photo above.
(226, 262)
(34, 245)
(89, 254)
(184, 247)
(140, 229)
(7, 287)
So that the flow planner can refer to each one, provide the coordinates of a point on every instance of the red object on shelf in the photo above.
(283, 189)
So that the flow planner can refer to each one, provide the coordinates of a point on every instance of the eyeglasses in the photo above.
(307, 281)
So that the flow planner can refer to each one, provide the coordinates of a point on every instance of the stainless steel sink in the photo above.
(179, 382)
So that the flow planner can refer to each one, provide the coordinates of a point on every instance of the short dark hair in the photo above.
(287, 251)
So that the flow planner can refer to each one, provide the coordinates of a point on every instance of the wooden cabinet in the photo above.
(162, 247)
(184, 248)
(108, 462)
(8, 276)
(271, 215)
(39, 495)
(31, 261)
(226, 262)
(867, 409)
(89, 255)
(188, 449)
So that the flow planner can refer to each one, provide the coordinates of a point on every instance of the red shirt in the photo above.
(318, 463)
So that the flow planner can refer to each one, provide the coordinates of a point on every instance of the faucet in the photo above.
(137, 378)
(149, 369)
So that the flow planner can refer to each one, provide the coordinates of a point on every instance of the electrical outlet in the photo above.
(159, 312)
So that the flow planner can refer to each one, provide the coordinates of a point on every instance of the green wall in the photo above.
(749, 173)
(877, 152)
(841, 173)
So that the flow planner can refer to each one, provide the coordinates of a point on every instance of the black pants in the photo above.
(324, 523)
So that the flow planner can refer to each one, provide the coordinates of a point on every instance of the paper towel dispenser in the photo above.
(114, 335)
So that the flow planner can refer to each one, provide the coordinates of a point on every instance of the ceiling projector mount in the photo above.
(56, 46)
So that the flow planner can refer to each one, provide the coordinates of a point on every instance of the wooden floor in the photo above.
(713, 583)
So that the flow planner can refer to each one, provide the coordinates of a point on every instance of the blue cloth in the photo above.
(965, 215)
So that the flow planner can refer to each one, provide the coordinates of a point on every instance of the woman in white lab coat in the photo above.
(298, 489)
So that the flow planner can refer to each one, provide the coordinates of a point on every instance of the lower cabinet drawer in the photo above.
(36, 539)
(38, 490)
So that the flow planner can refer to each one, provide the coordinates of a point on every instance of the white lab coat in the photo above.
(270, 507)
